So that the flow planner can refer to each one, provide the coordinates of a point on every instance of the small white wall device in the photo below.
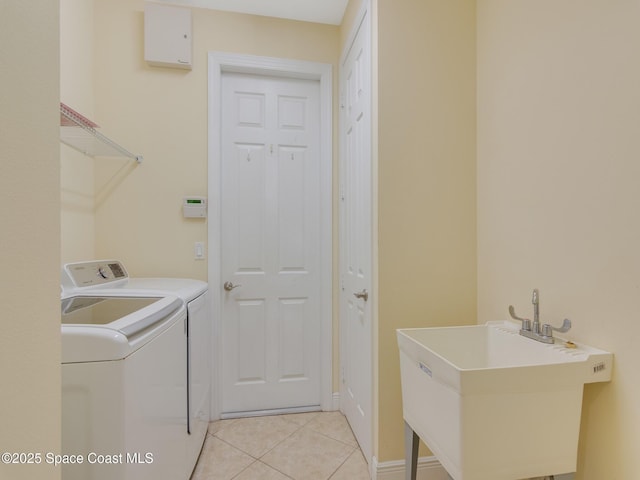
(194, 207)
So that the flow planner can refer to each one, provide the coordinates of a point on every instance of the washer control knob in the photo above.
(102, 272)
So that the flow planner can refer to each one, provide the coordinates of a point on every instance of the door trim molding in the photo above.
(219, 62)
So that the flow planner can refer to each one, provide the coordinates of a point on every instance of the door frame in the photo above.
(218, 63)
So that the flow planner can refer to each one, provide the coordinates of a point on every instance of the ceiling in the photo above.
(319, 11)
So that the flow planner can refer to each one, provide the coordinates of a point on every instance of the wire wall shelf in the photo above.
(80, 133)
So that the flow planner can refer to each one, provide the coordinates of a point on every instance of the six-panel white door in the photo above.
(356, 328)
(270, 247)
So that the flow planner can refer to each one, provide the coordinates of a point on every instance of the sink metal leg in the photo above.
(411, 443)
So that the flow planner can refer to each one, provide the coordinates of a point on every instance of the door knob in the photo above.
(228, 286)
(363, 294)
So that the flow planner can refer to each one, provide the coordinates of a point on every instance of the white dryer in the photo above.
(110, 278)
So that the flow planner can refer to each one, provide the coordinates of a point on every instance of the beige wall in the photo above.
(427, 183)
(77, 170)
(29, 242)
(558, 196)
(162, 114)
(348, 19)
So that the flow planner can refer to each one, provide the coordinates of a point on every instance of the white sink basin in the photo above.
(493, 405)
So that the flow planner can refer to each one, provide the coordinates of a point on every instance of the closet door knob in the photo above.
(228, 286)
(363, 294)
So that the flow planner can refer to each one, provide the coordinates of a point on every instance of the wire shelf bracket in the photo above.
(80, 133)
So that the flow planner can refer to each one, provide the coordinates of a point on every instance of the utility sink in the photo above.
(494, 405)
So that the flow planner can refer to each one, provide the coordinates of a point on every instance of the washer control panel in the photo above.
(94, 273)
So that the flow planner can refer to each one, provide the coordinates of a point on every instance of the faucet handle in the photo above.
(547, 330)
(526, 323)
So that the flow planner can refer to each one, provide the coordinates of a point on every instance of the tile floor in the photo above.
(303, 446)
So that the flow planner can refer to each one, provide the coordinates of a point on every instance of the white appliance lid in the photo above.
(98, 328)
(101, 310)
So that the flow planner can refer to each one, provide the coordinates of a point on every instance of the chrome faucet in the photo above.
(536, 311)
(542, 334)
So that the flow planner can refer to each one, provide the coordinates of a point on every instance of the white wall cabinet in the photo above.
(167, 36)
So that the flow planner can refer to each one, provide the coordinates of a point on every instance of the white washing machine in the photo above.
(123, 387)
(110, 278)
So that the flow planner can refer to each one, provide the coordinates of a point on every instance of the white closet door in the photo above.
(270, 243)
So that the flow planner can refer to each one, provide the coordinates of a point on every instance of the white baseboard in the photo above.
(429, 468)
